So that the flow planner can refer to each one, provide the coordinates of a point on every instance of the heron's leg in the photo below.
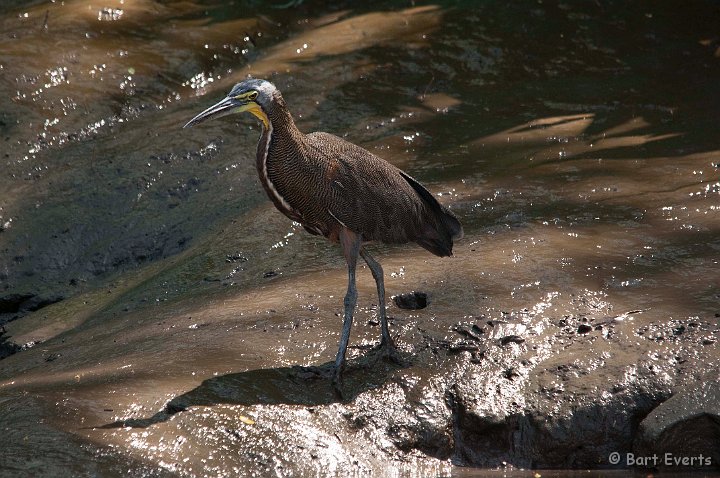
(350, 243)
(386, 344)
(377, 273)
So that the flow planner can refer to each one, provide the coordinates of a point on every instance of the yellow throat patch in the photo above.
(255, 109)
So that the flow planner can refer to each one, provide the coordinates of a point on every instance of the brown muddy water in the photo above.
(154, 303)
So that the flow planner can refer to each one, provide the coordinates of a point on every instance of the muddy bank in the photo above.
(561, 383)
(155, 306)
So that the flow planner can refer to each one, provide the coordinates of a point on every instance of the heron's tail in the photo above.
(441, 227)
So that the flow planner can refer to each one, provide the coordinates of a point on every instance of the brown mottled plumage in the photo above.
(339, 190)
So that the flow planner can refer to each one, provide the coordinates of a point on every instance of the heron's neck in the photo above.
(280, 136)
(280, 151)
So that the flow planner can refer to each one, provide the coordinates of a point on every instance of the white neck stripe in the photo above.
(266, 177)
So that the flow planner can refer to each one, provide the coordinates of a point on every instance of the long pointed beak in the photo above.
(222, 108)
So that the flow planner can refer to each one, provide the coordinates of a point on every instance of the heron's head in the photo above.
(254, 96)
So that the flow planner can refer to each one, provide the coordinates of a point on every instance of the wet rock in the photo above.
(514, 339)
(471, 333)
(685, 426)
(411, 301)
(477, 329)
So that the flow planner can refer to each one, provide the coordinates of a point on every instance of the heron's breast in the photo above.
(295, 184)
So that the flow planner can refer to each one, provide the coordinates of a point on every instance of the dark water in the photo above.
(576, 141)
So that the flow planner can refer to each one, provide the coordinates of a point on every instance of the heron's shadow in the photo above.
(272, 386)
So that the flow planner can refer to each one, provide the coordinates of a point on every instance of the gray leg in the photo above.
(350, 243)
(386, 344)
(377, 273)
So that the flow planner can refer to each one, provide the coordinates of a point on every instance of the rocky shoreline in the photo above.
(527, 390)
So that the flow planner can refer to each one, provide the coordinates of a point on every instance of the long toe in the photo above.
(390, 353)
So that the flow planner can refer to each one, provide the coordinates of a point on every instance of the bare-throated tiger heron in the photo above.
(338, 190)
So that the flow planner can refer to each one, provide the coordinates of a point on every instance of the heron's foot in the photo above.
(327, 374)
(389, 352)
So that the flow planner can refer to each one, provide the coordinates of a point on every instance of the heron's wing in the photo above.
(373, 198)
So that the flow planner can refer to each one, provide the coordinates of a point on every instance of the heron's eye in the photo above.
(252, 96)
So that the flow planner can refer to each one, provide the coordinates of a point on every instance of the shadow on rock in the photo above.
(310, 386)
